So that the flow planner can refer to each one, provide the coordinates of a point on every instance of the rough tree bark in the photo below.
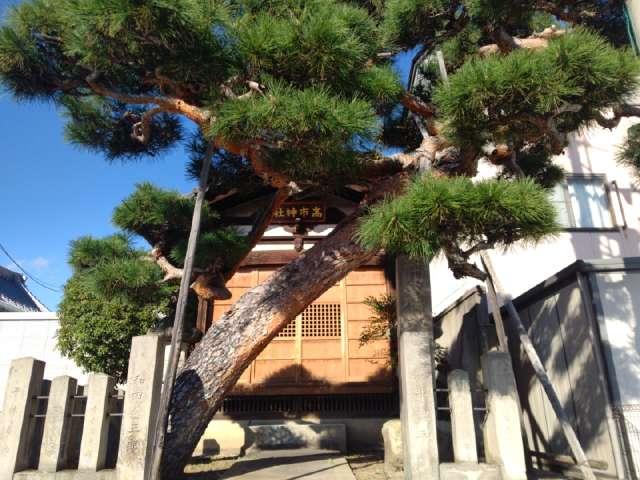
(234, 341)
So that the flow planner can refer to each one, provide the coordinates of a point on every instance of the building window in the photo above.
(582, 202)
(318, 320)
(321, 320)
(289, 331)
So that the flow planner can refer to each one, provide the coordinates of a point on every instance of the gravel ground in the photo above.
(367, 466)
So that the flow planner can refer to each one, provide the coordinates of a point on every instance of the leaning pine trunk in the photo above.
(233, 342)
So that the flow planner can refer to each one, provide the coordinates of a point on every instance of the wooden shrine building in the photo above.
(318, 359)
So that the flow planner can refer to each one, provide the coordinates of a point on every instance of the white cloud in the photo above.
(39, 263)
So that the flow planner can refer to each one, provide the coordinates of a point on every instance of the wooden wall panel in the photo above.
(245, 378)
(368, 276)
(357, 293)
(318, 348)
(333, 295)
(276, 372)
(368, 370)
(372, 349)
(242, 279)
(323, 370)
(358, 312)
(279, 350)
(355, 328)
(219, 310)
(264, 274)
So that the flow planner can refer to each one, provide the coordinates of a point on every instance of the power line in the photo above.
(39, 282)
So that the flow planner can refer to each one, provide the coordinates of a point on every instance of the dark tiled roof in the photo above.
(14, 295)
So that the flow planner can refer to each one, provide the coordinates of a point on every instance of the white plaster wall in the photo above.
(522, 267)
(33, 334)
(618, 292)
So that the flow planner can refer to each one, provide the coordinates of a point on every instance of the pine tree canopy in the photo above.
(300, 96)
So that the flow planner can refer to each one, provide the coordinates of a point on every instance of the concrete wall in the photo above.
(592, 152)
(33, 334)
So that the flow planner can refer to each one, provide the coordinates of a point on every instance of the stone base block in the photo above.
(469, 471)
(393, 453)
(223, 439)
(295, 435)
(393, 457)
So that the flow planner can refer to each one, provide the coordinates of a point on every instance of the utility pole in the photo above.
(155, 460)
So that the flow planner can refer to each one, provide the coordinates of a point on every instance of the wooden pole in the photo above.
(572, 439)
(176, 336)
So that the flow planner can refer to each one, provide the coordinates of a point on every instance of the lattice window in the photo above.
(321, 320)
(289, 331)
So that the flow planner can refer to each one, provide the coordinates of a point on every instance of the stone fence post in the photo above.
(462, 426)
(55, 437)
(93, 446)
(502, 433)
(144, 383)
(23, 384)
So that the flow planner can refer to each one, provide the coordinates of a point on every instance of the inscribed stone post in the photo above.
(23, 384)
(462, 426)
(502, 433)
(57, 424)
(93, 447)
(416, 368)
(144, 382)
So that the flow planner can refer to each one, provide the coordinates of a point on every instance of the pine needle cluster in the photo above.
(436, 213)
(500, 98)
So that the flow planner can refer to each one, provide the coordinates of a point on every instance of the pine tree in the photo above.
(300, 95)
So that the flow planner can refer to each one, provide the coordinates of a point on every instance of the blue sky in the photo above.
(52, 192)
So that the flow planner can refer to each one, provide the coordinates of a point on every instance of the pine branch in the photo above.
(171, 272)
(425, 110)
(425, 154)
(168, 104)
(559, 139)
(141, 131)
(506, 43)
(624, 110)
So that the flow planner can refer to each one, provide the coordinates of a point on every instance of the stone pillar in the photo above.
(416, 368)
(57, 424)
(23, 384)
(93, 446)
(502, 433)
(462, 426)
(144, 382)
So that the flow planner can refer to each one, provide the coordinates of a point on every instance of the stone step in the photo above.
(469, 471)
(329, 436)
